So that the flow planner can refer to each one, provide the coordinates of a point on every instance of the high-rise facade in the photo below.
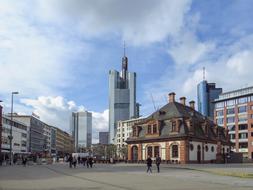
(207, 93)
(103, 137)
(81, 129)
(122, 97)
(234, 111)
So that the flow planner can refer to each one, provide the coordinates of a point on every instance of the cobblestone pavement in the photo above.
(122, 176)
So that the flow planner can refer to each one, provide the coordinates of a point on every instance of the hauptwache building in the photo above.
(178, 134)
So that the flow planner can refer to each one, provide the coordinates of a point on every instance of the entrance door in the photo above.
(199, 154)
(134, 153)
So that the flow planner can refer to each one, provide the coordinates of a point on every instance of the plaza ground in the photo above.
(127, 176)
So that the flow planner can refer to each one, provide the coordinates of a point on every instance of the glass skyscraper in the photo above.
(122, 97)
(81, 129)
(207, 93)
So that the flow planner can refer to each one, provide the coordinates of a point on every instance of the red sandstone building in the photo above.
(178, 134)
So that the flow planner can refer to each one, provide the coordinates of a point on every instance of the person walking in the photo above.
(149, 164)
(87, 162)
(91, 161)
(158, 162)
(70, 160)
(74, 161)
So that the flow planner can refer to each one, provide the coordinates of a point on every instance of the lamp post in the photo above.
(10, 136)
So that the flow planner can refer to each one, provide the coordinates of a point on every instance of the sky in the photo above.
(57, 53)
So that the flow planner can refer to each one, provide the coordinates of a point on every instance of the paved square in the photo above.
(123, 176)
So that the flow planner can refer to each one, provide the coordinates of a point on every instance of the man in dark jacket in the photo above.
(149, 164)
(158, 162)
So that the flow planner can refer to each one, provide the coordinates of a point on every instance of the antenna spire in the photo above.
(124, 48)
(204, 73)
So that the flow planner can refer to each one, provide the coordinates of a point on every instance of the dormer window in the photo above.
(149, 129)
(174, 126)
(154, 128)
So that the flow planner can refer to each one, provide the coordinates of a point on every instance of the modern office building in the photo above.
(19, 134)
(122, 97)
(47, 139)
(124, 131)
(178, 134)
(103, 137)
(35, 131)
(234, 111)
(53, 141)
(207, 93)
(81, 129)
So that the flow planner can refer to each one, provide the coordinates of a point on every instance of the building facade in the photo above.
(124, 130)
(103, 137)
(64, 143)
(178, 134)
(19, 134)
(81, 129)
(47, 139)
(206, 94)
(122, 97)
(53, 141)
(35, 131)
(234, 111)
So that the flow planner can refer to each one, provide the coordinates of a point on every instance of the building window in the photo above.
(134, 131)
(149, 129)
(242, 119)
(232, 136)
(150, 151)
(212, 149)
(242, 109)
(219, 105)
(157, 152)
(220, 113)
(191, 147)
(251, 107)
(242, 100)
(243, 135)
(243, 127)
(220, 121)
(252, 134)
(243, 145)
(174, 126)
(206, 148)
(231, 127)
(230, 119)
(230, 111)
(230, 102)
(154, 128)
(174, 151)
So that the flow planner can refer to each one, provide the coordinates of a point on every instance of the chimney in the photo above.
(192, 104)
(182, 100)
(172, 97)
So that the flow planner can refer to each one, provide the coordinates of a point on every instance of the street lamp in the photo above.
(10, 136)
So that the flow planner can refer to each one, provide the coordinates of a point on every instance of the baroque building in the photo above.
(178, 134)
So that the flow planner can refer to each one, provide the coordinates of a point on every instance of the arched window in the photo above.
(212, 149)
(191, 147)
(206, 147)
(174, 151)
(150, 151)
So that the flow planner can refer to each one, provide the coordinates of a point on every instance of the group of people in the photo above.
(157, 162)
(73, 160)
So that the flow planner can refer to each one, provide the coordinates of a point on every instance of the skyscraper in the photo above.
(81, 129)
(122, 97)
(103, 137)
(207, 93)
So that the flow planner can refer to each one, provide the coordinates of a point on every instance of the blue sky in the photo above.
(57, 54)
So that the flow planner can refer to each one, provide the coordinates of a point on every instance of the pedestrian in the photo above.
(74, 161)
(79, 159)
(158, 162)
(91, 161)
(70, 160)
(149, 164)
(24, 160)
(87, 162)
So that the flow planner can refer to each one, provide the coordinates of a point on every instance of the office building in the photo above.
(47, 139)
(103, 137)
(178, 134)
(19, 134)
(234, 111)
(207, 93)
(53, 141)
(81, 129)
(122, 97)
(124, 130)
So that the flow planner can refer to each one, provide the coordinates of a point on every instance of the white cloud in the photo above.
(57, 110)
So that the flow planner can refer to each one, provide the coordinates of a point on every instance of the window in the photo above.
(173, 126)
(243, 127)
(230, 111)
(251, 107)
(191, 147)
(219, 121)
(155, 128)
(242, 100)
(230, 102)
(174, 151)
(206, 148)
(252, 134)
(24, 135)
(219, 105)
(134, 131)
(157, 153)
(242, 119)
(230, 119)
(219, 113)
(243, 145)
(232, 136)
(150, 151)
(212, 149)
(149, 129)
(242, 109)
(231, 127)
(251, 116)
(243, 135)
